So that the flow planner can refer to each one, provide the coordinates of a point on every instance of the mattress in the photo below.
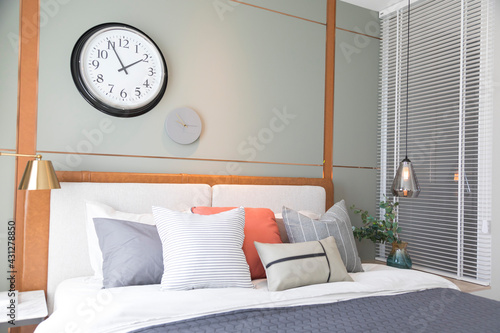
(81, 305)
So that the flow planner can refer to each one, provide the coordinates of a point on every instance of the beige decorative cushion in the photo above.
(301, 264)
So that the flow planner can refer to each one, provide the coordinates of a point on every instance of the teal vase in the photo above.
(399, 256)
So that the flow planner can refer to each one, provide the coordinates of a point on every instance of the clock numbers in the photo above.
(102, 54)
(124, 43)
(119, 70)
(123, 64)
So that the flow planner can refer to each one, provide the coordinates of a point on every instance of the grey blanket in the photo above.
(434, 310)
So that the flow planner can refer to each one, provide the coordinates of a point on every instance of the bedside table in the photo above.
(31, 308)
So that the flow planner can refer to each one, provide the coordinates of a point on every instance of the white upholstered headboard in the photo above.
(274, 197)
(68, 250)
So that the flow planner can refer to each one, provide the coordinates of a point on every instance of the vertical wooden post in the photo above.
(329, 89)
(29, 23)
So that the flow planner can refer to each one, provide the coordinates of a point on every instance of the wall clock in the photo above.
(183, 125)
(119, 70)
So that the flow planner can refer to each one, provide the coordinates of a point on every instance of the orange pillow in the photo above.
(260, 226)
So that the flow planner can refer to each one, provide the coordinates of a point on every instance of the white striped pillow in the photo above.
(202, 251)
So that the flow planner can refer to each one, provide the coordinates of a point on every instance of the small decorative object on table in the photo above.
(399, 257)
(384, 231)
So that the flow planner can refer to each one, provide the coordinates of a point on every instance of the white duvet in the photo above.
(82, 306)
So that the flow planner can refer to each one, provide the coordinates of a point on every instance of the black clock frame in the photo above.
(85, 91)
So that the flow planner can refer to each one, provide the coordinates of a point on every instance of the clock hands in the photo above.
(132, 64)
(121, 63)
(181, 121)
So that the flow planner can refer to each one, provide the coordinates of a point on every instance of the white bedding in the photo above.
(82, 306)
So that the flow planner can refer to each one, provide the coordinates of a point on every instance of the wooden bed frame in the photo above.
(32, 208)
(32, 274)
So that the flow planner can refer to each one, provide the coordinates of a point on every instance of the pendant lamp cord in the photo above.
(407, 79)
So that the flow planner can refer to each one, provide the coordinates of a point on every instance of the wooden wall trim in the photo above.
(329, 89)
(359, 33)
(177, 158)
(275, 11)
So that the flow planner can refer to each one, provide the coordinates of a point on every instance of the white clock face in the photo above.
(120, 68)
(183, 125)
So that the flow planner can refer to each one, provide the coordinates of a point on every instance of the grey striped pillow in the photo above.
(202, 251)
(335, 222)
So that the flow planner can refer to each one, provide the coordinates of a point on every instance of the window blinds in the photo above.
(449, 132)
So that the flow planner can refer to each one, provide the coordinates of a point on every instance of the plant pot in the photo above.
(399, 256)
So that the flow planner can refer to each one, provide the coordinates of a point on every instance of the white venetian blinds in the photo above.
(449, 131)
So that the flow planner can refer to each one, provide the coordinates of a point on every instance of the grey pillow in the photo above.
(301, 264)
(132, 253)
(335, 222)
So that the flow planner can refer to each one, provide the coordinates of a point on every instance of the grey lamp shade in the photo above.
(39, 175)
(405, 183)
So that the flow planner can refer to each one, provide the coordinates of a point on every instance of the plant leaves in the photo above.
(378, 230)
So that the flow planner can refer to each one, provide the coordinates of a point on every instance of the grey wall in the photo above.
(356, 111)
(9, 27)
(237, 74)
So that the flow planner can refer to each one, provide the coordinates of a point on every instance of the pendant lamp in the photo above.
(405, 182)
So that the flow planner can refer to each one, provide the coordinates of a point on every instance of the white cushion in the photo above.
(202, 251)
(274, 197)
(100, 210)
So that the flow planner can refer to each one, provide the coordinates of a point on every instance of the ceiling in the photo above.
(376, 5)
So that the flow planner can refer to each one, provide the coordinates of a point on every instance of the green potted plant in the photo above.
(384, 231)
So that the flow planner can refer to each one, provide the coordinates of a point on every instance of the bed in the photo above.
(370, 297)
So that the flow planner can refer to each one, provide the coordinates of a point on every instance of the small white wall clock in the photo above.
(183, 125)
(119, 70)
